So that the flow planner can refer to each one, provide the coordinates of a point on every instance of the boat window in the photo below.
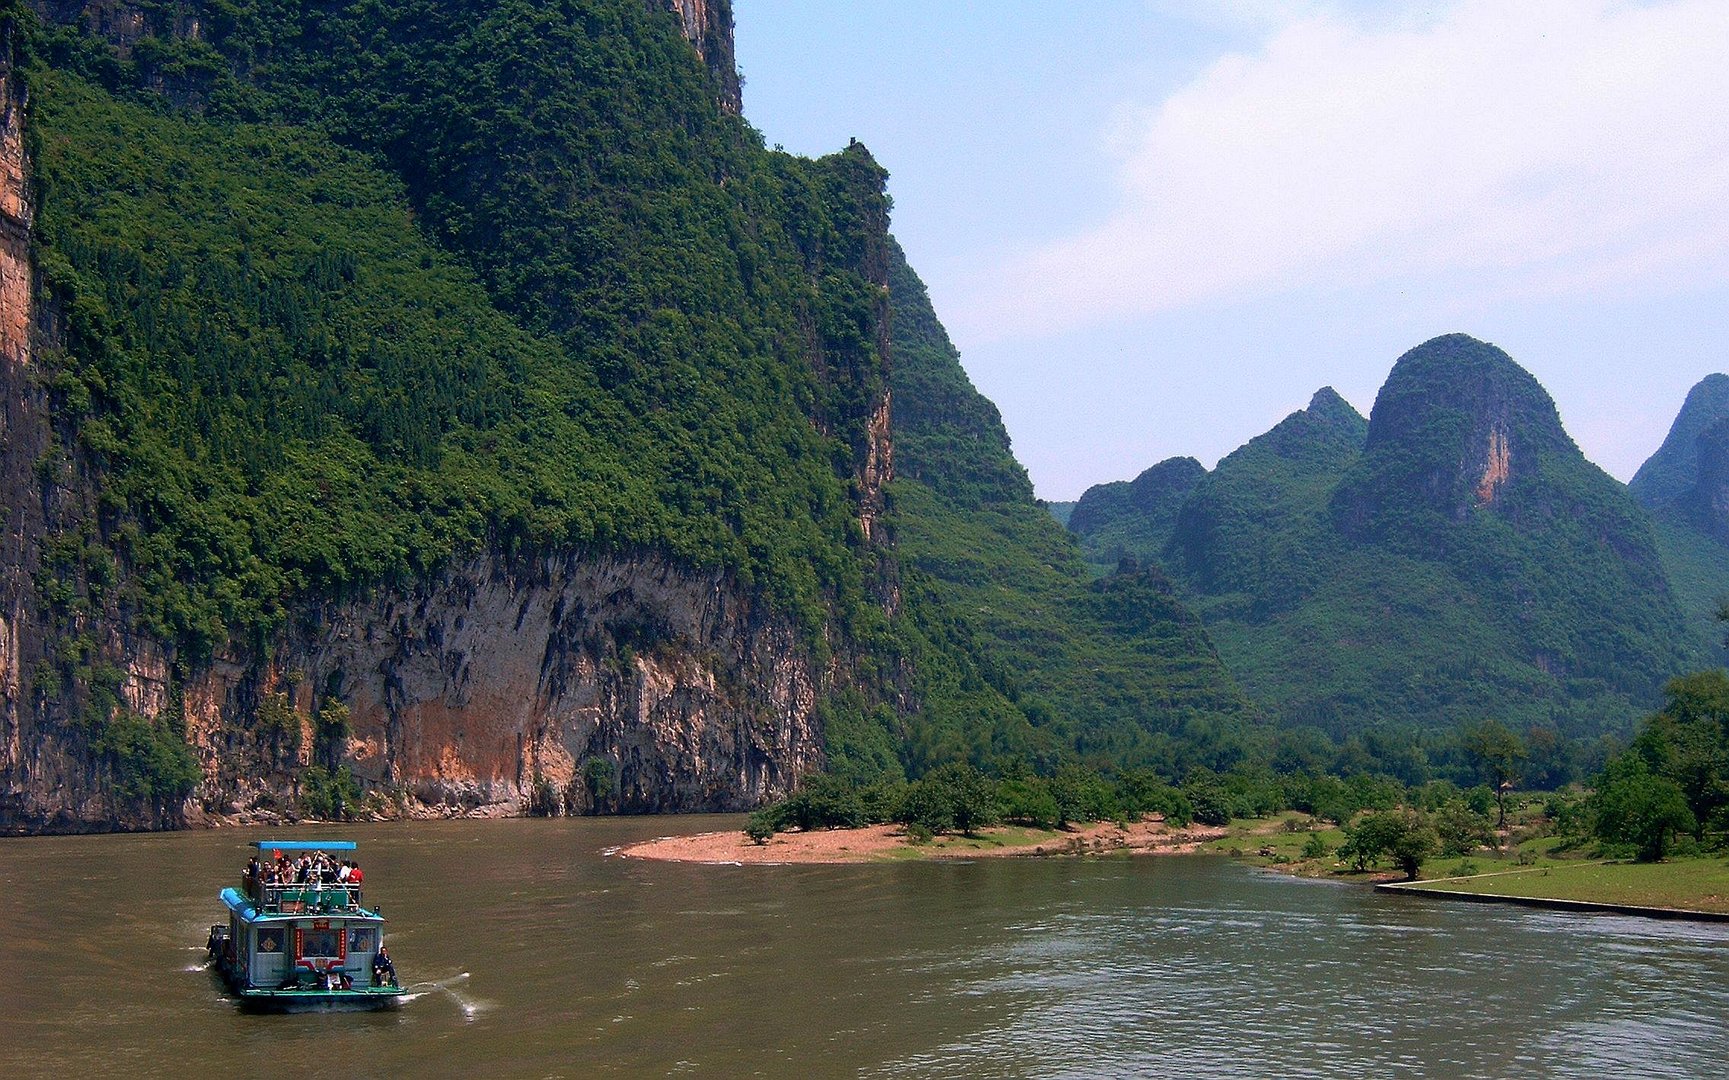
(360, 940)
(320, 943)
(270, 941)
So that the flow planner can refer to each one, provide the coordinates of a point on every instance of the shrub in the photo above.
(761, 826)
(1028, 802)
(148, 760)
(1404, 835)
(328, 795)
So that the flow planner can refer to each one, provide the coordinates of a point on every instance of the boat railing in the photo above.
(297, 898)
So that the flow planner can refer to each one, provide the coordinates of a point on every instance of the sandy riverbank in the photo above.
(886, 843)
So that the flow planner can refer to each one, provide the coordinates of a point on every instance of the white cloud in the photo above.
(1540, 146)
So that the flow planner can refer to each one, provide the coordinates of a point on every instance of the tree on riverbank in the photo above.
(1498, 753)
(1675, 776)
(1635, 807)
(1403, 835)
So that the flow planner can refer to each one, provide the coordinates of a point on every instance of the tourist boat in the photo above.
(301, 942)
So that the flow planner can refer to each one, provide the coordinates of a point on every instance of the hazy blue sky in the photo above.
(1156, 227)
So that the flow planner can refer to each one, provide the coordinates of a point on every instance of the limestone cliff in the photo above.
(23, 440)
(558, 685)
(708, 26)
(563, 679)
(1457, 425)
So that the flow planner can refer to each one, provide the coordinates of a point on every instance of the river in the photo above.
(533, 952)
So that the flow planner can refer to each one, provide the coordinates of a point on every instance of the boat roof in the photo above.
(305, 845)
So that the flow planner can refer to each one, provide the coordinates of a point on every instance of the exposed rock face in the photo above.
(570, 684)
(708, 25)
(1456, 424)
(15, 285)
(496, 684)
(23, 438)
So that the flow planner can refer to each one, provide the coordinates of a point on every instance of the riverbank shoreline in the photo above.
(890, 843)
(1588, 907)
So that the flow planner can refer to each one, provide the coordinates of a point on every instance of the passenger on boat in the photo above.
(383, 971)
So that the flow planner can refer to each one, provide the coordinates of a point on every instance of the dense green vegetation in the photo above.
(1018, 655)
(1674, 779)
(342, 293)
(1697, 566)
(959, 798)
(1368, 581)
(1133, 518)
(1668, 794)
(289, 387)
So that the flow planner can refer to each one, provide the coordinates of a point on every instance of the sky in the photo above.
(1155, 227)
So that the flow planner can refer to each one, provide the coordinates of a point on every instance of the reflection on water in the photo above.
(532, 953)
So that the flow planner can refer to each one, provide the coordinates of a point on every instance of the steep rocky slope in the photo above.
(454, 407)
(471, 477)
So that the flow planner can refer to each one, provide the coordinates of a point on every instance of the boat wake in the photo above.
(469, 1006)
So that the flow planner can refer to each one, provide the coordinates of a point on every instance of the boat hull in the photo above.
(359, 999)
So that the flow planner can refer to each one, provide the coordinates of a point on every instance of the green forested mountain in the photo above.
(1685, 485)
(1674, 468)
(335, 296)
(1126, 517)
(1116, 667)
(1458, 559)
(325, 329)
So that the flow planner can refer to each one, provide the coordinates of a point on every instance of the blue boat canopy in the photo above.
(305, 845)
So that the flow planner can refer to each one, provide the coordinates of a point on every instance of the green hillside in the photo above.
(1457, 560)
(1670, 472)
(289, 387)
(1133, 517)
(1117, 668)
(341, 293)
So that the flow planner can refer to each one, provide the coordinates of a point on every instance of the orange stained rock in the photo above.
(1496, 469)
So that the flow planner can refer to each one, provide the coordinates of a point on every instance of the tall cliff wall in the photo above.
(557, 685)
(708, 26)
(23, 439)
(570, 681)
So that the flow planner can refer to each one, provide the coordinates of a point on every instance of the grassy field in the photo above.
(1278, 841)
(1544, 867)
(1700, 884)
(1002, 836)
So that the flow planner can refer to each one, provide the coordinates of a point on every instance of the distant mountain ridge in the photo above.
(1668, 474)
(1685, 485)
(1452, 558)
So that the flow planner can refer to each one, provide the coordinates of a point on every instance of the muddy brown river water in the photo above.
(533, 952)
